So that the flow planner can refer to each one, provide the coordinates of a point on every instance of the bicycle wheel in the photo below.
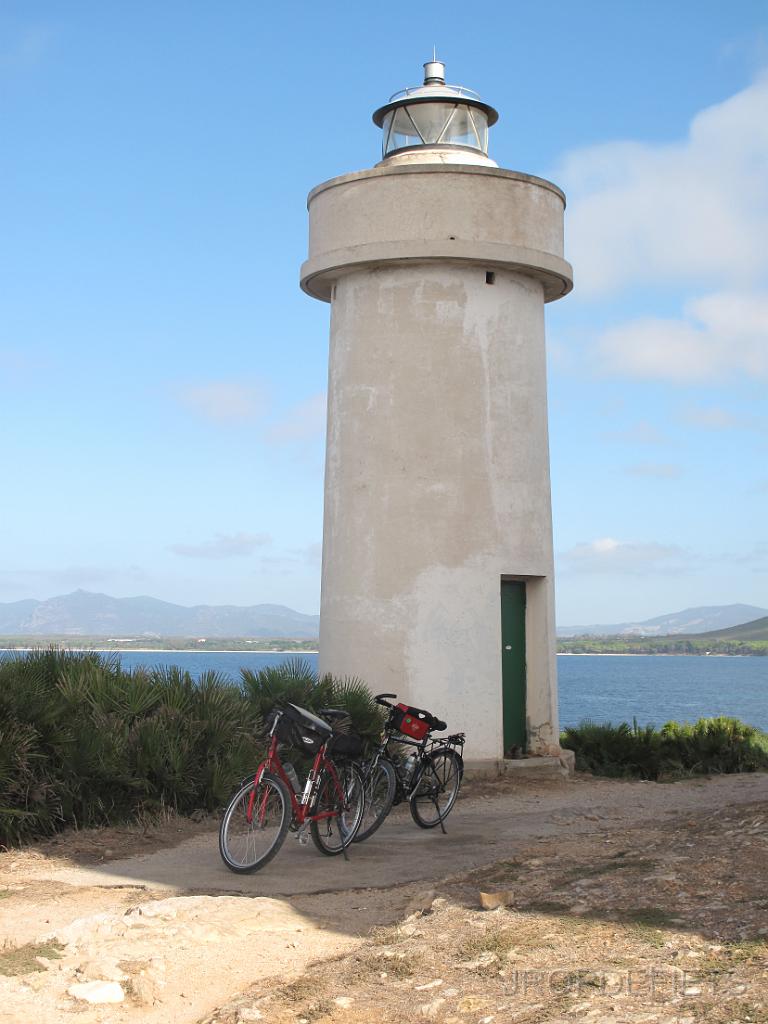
(344, 803)
(438, 788)
(254, 824)
(379, 787)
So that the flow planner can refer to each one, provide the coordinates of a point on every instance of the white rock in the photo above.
(97, 991)
(410, 929)
(343, 1002)
(430, 984)
(484, 960)
(246, 1013)
(103, 969)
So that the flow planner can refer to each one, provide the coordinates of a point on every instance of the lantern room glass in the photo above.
(434, 124)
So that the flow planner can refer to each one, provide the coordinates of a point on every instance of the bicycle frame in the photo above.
(300, 807)
(409, 786)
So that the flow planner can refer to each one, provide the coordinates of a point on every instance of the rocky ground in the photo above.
(626, 903)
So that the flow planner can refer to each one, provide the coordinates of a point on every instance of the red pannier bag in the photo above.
(414, 722)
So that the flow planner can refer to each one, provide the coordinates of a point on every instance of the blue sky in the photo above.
(163, 376)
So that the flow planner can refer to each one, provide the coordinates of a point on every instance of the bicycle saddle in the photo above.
(332, 713)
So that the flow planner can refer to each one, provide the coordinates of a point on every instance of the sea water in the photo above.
(603, 688)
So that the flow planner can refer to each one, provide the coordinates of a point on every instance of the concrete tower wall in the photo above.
(437, 467)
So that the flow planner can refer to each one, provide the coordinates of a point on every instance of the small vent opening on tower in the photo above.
(490, 277)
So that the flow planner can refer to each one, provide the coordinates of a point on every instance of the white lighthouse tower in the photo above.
(437, 579)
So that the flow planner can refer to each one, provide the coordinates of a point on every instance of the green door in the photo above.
(513, 665)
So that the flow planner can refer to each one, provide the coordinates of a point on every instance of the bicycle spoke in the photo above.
(342, 798)
(437, 791)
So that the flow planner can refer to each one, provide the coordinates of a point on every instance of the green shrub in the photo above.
(711, 745)
(296, 681)
(84, 743)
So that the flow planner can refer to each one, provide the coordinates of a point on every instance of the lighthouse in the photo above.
(438, 577)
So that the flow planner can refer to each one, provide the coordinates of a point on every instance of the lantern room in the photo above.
(435, 116)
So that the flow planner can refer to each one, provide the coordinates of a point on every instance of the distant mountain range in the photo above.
(83, 613)
(86, 614)
(711, 618)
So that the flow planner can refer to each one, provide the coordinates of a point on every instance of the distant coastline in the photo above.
(166, 650)
(168, 644)
(593, 648)
(666, 647)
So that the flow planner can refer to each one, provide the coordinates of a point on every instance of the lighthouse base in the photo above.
(547, 767)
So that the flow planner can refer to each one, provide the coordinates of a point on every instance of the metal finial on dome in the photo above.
(434, 72)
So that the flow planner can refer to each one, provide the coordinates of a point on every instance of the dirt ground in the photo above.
(659, 914)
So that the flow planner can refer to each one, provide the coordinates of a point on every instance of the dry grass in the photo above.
(394, 967)
(497, 941)
(15, 960)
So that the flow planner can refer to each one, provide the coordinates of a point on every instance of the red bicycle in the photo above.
(331, 802)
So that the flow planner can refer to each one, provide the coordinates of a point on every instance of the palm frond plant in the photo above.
(351, 694)
(294, 680)
(84, 742)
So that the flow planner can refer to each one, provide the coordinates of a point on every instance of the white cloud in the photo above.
(295, 558)
(712, 418)
(303, 422)
(641, 432)
(692, 211)
(232, 545)
(659, 470)
(610, 556)
(715, 418)
(311, 555)
(224, 401)
(722, 334)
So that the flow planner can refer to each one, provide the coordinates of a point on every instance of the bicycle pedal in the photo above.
(302, 834)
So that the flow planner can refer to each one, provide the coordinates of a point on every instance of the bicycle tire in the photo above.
(238, 852)
(440, 780)
(333, 835)
(377, 807)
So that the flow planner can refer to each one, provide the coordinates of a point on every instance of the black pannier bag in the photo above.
(301, 729)
(345, 745)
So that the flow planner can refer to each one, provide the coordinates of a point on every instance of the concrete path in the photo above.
(480, 830)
